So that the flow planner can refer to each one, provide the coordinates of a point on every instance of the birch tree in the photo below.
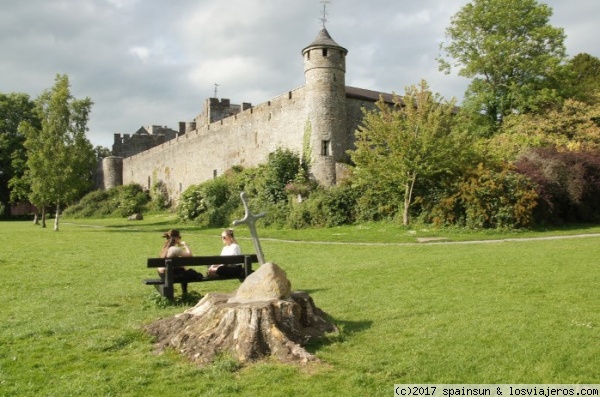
(60, 158)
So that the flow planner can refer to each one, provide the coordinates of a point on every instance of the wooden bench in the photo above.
(165, 287)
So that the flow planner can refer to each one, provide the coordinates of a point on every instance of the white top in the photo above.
(232, 249)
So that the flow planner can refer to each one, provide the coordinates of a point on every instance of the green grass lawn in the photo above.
(519, 311)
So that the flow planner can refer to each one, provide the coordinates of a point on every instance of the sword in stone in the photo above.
(250, 220)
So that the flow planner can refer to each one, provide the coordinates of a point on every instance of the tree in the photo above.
(582, 78)
(398, 145)
(14, 108)
(510, 51)
(60, 157)
(102, 152)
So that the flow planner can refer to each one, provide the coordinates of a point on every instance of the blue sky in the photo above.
(148, 62)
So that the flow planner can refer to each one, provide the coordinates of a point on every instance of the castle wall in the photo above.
(324, 113)
(354, 117)
(244, 139)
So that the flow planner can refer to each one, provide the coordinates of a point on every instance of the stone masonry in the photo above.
(320, 117)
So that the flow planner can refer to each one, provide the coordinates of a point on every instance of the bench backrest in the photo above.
(202, 260)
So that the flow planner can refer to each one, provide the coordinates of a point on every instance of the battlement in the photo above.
(215, 109)
(143, 139)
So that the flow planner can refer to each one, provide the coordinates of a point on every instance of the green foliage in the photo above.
(212, 203)
(120, 201)
(183, 300)
(159, 196)
(217, 203)
(60, 160)
(129, 199)
(571, 126)
(102, 152)
(512, 53)
(399, 146)
(581, 78)
(282, 168)
(325, 207)
(14, 109)
(488, 198)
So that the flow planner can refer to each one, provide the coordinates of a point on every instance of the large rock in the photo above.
(268, 282)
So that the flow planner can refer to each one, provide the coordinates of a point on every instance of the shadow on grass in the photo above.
(185, 300)
(154, 226)
(345, 330)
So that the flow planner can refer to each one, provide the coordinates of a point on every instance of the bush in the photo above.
(159, 196)
(282, 168)
(128, 199)
(488, 199)
(119, 201)
(567, 184)
(328, 207)
(212, 203)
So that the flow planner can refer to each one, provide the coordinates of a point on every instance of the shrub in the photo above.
(488, 199)
(325, 208)
(567, 184)
(129, 199)
(118, 201)
(282, 168)
(159, 196)
(212, 203)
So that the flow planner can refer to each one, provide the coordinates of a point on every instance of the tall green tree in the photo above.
(511, 53)
(401, 144)
(14, 109)
(60, 157)
(581, 78)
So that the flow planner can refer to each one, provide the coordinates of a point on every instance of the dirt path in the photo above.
(420, 241)
(436, 241)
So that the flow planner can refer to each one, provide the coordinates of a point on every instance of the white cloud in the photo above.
(141, 52)
(154, 62)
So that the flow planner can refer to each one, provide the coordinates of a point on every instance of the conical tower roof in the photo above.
(323, 39)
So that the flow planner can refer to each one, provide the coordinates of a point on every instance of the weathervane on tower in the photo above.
(324, 17)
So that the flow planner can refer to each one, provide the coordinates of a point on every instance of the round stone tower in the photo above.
(325, 76)
(112, 171)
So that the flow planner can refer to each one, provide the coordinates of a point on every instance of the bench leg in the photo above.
(184, 289)
(166, 291)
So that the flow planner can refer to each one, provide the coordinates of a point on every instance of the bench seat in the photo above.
(165, 287)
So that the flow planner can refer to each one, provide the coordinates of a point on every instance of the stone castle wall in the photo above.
(322, 116)
(245, 139)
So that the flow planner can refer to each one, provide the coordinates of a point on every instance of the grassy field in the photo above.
(517, 311)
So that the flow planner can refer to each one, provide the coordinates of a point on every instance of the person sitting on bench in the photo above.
(231, 248)
(174, 247)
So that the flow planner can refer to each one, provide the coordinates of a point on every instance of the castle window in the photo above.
(214, 174)
(149, 183)
(324, 52)
(308, 55)
(326, 148)
(180, 188)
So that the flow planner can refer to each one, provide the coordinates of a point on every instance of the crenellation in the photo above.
(324, 108)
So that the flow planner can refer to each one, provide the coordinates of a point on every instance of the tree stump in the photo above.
(247, 329)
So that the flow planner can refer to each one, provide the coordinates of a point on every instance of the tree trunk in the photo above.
(408, 199)
(43, 217)
(36, 220)
(247, 331)
(56, 218)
